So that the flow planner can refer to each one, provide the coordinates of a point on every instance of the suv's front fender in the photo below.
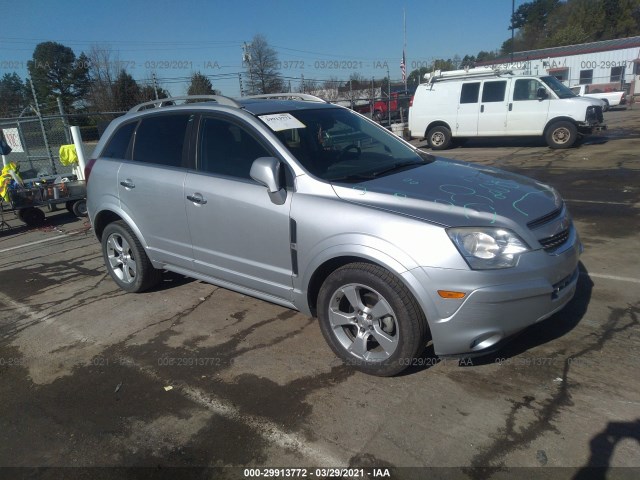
(322, 261)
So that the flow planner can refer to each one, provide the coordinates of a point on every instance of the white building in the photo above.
(609, 64)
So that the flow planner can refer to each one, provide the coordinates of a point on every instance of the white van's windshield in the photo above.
(558, 87)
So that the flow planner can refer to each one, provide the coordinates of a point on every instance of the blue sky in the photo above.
(318, 39)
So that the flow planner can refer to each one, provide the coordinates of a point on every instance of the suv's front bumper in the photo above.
(499, 303)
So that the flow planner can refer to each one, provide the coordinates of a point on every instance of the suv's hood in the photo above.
(455, 193)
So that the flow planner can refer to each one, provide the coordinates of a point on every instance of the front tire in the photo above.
(370, 320)
(561, 134)
(439, 138)
(126, 260)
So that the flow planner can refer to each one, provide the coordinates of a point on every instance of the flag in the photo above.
(403, 68)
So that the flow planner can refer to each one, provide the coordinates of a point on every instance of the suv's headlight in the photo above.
(487, 248)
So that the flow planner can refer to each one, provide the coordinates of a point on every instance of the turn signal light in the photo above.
(450, 294)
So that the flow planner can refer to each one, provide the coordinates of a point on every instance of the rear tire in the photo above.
(126, 260)
(439, 138)
(370, 319)
(561, 134)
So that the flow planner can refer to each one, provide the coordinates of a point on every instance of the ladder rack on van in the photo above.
(439, 75)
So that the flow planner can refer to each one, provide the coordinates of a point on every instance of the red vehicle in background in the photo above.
(397, 105)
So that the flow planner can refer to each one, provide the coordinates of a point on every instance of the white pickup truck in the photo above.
(611, 99)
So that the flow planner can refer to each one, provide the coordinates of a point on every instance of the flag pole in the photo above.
(404, 46)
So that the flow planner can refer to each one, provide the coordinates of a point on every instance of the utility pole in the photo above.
(513, 11)
(388, 97)
(246, 60)
(372, 101)
(155, 84)
(351, 93)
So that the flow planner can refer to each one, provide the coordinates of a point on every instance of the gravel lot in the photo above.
(191, 375)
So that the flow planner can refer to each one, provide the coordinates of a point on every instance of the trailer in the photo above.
(26, 201)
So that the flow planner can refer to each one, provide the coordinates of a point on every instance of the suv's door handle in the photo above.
(128, 184)
(481, 108)
(510, 106)
(197, 198)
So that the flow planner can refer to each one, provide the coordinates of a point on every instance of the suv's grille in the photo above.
(533, 224)
(553, 242)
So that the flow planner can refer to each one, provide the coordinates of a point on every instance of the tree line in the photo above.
(94, 81)
(98, 81)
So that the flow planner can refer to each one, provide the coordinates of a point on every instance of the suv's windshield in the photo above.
(558, 87)
(336, 145)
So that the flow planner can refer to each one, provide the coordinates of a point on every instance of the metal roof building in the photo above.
(610, 64)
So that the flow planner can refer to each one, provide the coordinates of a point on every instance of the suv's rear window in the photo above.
(119, 143)
(160, 139)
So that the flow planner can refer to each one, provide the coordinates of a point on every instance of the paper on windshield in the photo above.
(281, 121)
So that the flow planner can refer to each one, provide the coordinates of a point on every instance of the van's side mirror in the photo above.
(266, 171)
(541, 93)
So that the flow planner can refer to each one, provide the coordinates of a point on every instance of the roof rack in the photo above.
(290, 96)
(439, 75)
(162, 102)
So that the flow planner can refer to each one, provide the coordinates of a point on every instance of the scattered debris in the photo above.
(167, 388)
(557, 379)
(118, 387)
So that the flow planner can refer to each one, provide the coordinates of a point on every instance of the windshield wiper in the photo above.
(351, 178)
(396, 167)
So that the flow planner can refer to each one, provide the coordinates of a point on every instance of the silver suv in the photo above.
(314, 207)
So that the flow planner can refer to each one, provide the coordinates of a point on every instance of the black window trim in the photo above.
(515, 83)
(187, 159)
(251, 130)
(129, 149)
(478, 84)
(504, 93)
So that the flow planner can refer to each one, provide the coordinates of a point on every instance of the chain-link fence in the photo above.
(36, 141)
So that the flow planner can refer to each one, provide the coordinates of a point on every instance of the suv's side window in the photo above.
(227, 149)
(494, 91)
(470, 92)
(526, 89)
(120, 141)
(160, 139)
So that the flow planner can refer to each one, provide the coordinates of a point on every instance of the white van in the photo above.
(481, 102)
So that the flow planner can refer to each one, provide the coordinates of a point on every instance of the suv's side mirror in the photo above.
(541, 93)
(266, 171)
